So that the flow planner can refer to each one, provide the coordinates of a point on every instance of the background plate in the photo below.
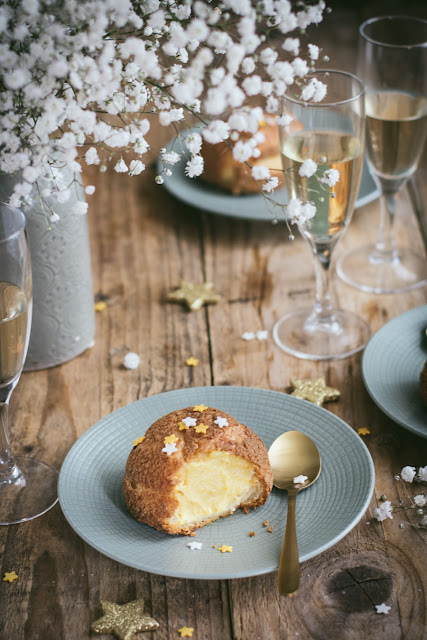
(391, 367)
(90, 488)
(200, 194)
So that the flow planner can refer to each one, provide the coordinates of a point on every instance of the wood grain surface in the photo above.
(143, 242)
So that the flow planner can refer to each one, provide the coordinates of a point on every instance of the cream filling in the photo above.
(212, 484)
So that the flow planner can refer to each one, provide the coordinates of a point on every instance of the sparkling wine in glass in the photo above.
(393, 65)
(331, 133)
(27, 486)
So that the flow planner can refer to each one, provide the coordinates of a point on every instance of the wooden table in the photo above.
(143, 243)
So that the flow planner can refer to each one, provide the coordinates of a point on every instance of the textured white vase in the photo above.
(63, 323)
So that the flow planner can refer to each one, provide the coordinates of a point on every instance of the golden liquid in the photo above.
(330, 150)
(13, 331)
(396, 127)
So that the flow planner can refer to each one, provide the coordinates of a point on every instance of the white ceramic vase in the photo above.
(63, 323)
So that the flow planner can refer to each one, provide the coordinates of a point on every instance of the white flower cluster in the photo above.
(86, 78)
(408, 474)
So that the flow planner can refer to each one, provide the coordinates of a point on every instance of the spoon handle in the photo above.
(289, 569)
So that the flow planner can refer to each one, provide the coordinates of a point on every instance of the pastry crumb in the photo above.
(252, 534)
(266, 523)
(270, 529)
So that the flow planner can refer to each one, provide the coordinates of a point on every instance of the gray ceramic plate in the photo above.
(90, 488)
(391, 367)
(200, 194)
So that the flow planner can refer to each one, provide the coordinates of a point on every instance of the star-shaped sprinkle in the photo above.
(10, 577)
(100, 306)
(262, 335)
(189, 422)
(314, 390)
(300, 479)
(200, 408)
(194, 295)
(201, 428)
(363, 431)
(382, 608)
(170, 439)
(192, 362)
(225, 548)
(186, 632)
(124, 620)
(194, 545)
(221, 422)
(182, 426)
(248, 335)
(169, 448)
(138, 441)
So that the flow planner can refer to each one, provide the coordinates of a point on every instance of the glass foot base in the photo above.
(297, 334)
(31, 492)
(362, 269)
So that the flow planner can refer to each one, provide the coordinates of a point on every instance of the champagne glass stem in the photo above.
(8, 470)
(324, 305)
(385, 248)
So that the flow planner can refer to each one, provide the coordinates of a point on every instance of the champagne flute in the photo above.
(27, 486)
(393, 66)
(331, 133)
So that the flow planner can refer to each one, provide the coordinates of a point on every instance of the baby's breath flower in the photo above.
(330, 177)
(194, 167)
(121, 166)
(270, 184)
(260, 173)
(64, 65)
(422, 474)
(383, 511)
(408, 474)
(308, 168)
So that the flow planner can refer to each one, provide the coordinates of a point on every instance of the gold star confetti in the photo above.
(225, 548)
(124, 620)
(200, 408)
(201, 428)
(100, 306)
(314, 390)
(9, 577)
(182, 426)
(170, 439)
(363, 431)
(192, 362)
(186, 632)
(194, 295)
(138, 441)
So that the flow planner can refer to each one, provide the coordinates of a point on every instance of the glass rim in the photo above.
(308, 103)
(421, 44)
(21, 224)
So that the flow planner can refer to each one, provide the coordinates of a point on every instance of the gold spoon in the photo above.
(291, 455)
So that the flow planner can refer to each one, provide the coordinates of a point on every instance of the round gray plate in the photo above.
(391, 367)
(90, 488)
(200, 194)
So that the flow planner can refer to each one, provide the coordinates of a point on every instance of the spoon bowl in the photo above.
(296, 464)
